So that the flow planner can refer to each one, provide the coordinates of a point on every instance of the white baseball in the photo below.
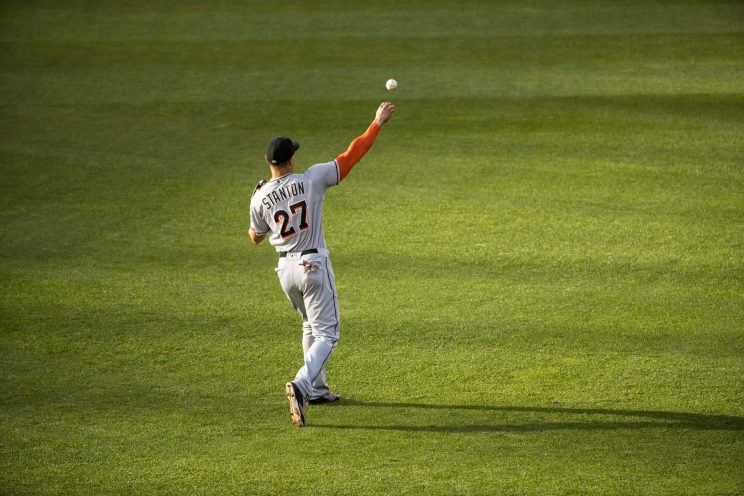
(391, 84)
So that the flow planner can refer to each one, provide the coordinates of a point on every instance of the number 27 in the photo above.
(281, 216)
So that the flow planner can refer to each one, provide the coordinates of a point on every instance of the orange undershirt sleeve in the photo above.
(357, 149)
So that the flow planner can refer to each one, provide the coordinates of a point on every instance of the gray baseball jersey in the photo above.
(291, 208)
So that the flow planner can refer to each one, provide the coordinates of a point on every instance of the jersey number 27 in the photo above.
(281, 216)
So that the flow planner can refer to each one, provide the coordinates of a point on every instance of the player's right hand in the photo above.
(384, 113)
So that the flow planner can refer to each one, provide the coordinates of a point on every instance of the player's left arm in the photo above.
(361, 145)
(255, 237)
(256, 219)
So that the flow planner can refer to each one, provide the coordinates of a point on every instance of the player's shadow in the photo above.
(537, 419)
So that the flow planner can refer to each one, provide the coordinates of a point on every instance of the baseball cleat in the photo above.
(296, 404)
(329, 397)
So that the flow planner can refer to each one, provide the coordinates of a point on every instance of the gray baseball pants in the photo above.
(310, 285)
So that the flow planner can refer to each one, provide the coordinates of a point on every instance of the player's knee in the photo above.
(329, 339)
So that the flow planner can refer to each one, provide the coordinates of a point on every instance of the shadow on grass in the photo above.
(592, 419)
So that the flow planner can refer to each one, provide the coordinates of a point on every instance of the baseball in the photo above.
(391, 84)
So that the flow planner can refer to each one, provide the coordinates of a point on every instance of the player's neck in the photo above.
(277, 172)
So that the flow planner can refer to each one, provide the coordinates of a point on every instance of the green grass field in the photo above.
(540, 262)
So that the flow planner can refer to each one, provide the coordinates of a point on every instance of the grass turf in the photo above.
(539, 263)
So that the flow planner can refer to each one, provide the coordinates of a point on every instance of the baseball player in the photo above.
(289, 210)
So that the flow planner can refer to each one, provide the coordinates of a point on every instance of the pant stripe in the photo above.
(333, 294)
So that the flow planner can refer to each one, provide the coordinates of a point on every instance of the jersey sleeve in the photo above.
(327, 174)
(258, 223)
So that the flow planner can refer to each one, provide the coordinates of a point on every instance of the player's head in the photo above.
(280, 150)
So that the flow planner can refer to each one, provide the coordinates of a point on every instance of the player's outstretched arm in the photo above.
(361, 145)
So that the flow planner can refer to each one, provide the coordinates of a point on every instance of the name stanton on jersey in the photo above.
(283, 193)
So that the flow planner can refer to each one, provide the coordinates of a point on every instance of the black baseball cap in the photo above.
(280, 149)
